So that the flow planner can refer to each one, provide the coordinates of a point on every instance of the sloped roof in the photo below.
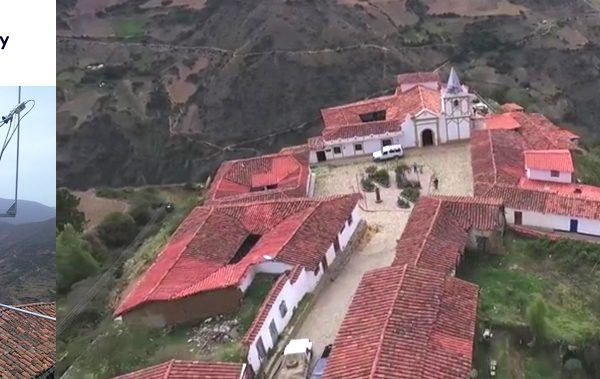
(498, 163)
(239, 180)
(417, 77)
(344, 121)
(268, 303)
(436, 233)
(406, 322)
(559, 160)
(178, 369)
(501, 121)
(28, 342)
(292, 231)
(511, 107)
(542, 134)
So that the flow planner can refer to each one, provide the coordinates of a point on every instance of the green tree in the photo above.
(74, 261)
(67, 212)
(536, 316)
(117, 229)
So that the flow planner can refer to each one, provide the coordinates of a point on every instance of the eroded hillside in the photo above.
(161, 92)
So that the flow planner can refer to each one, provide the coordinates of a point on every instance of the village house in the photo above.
(421, 112)
(178, 369)
(285, 174)
(526, 160)
(406, 322)
(217, 251)
(441, 228)
(28, 340)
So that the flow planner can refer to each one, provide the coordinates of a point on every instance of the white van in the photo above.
(388, 152)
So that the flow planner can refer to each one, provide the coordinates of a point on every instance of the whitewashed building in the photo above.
(421, 112)
(286, 294)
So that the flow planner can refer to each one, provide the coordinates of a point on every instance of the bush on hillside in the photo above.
(117, 229)
(67, 212)
(74, 261)
(536, 317)
(402, 203)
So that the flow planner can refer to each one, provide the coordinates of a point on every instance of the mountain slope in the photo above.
(180, 89)
(27, 212)
(27, 262)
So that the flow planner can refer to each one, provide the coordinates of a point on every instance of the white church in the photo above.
(422, 111)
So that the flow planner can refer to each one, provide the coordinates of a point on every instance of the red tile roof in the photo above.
(237, 180)
(28, 342)
(501, 121)
(547, 160)
(541, 133)
(265, 308)
(498, 162)
(344, 121)
(547, 202)
(406, 322)
(436, 233)
(511, 107)
(292, 231)
(417, 77)
(177, 369)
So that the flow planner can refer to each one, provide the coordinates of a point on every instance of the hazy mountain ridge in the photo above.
(27, 262)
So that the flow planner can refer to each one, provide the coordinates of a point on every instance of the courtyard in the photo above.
(385, 221)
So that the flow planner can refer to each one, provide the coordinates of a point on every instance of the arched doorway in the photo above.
(427, 137)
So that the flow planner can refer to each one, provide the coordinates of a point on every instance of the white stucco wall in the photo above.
(294, 293)
(544, 175)
(347, 146)
(555, 222)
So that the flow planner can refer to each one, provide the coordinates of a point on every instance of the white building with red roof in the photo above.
(421, 112)
(529, 165)
(217, 251)
(280, 175)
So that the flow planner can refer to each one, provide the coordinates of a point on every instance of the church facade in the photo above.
(421, 112)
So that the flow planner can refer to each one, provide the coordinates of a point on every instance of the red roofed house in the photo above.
(285, 174)
(215, 253)
(28, 341)
(406, 322)
(176, 369)
(549, 165)
(440, 228)
(531, 169)
(421, 112)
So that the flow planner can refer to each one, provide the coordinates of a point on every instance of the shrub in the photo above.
(411, 194)
(401, 180)
(367, 185)
(536, 316)
(74, 261)
(67, 212)
(370, 170)
(402, 203)
(381, 176)
(117, 229)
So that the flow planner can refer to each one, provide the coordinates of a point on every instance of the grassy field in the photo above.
(587, 165)
(129, 28)
(565, 275)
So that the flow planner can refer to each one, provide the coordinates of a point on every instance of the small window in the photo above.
(337, 150)
(350, 219)
(358, 147)
(282, 308)
(260, 347)
(386, 142)
(456, 102)
(554, 173)
(273, 332)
